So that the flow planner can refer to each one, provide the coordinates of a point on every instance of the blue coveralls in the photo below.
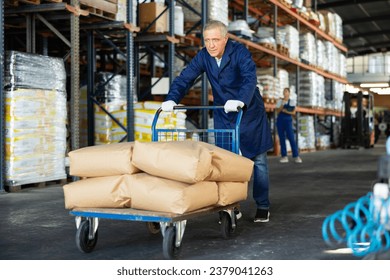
(235, 79)
(284, 124)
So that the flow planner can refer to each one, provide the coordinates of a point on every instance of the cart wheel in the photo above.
(170, 250)
(153, 227)
(85, 244)
(226, 225)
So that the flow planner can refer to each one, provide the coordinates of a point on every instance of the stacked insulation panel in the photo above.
(36, 117)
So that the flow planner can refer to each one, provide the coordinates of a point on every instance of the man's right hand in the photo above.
(167, 106)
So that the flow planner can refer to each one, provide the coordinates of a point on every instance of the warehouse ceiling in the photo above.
(366, 24)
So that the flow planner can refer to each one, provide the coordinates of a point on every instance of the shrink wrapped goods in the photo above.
(283, 78)
(311, 89)
(306, 136)
(36, 117)
(333, 25)
(33, 71)
(121, 14)
(217, 10)
(322, 59)
(308, 48)
(268, 84)
(323, 141)
(334, 92)
(291, 39)
(143, 119)
(112, 92)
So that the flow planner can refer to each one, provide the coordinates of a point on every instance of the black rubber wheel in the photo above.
(153, 227)
(85, 244)
(170, 250)
(226, 225)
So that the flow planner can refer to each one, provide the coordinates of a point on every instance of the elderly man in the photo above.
(232, 75)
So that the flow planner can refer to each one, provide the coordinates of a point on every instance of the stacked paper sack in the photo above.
(175, 176)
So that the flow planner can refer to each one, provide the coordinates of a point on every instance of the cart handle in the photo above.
(200, 107)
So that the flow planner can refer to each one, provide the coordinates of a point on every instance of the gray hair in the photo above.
(212, 24)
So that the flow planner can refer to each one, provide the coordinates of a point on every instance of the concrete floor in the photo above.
(35, 226)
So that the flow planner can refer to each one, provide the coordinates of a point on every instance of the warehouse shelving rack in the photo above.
(276, 14)
(67, 17)
(172, 45)
(2, 105)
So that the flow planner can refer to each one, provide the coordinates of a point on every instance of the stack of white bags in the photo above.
(175, 177)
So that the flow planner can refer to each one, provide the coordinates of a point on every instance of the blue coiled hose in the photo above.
(360, 225)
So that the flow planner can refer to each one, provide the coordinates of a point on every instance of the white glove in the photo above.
(232, 105)
(167, 106)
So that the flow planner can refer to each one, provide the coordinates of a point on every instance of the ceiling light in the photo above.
(351, 89)
(381, 91)
(372, 85)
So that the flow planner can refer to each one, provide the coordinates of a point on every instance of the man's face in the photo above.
(215, 43)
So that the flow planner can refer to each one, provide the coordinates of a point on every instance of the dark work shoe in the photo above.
(262, 216)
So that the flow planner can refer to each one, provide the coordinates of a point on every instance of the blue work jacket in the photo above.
(234, 79)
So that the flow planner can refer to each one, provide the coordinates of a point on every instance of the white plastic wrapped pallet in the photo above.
(36, 117)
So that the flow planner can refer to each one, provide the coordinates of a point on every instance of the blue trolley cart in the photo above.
(171, 226)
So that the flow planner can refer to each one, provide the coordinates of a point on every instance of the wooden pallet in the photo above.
(98, 12)
(315, 22)
(189, 40)
(19, 188)
(285, 3)
(307, 150)
(283, 50)
(268, 46)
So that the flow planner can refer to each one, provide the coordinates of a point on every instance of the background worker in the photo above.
(285, 108)
(232, 75)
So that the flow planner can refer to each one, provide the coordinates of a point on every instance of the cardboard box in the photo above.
(148, 12)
